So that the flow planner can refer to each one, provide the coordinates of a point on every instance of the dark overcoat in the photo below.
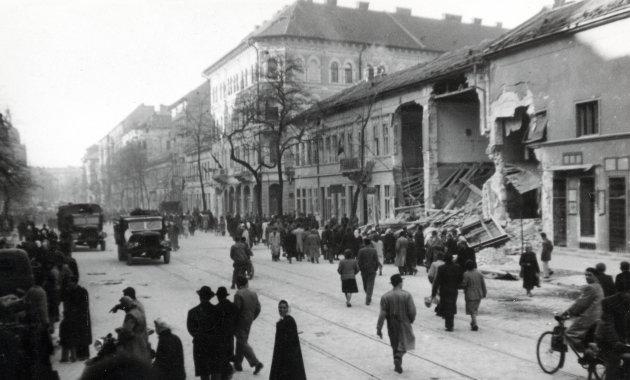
(75, 329)
(447, 281)
(201, 322)
(287, 363)
(169, 357)
(529, 270)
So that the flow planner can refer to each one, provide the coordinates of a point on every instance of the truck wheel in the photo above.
(103, 245)
(129, 259)
(167, 257)
(122, 255)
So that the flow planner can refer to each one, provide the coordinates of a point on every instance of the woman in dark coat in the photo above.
(348, 269)
(530, 271)
(169, 356)
(287, 363)
(75, 330)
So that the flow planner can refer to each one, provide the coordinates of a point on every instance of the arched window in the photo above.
(347, 73)
(334, 72)
(313, 71)
(298, 72)
(370, 72)
(272, 68)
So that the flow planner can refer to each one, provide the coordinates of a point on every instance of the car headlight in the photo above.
(98, 344)
(133, 245)
(166, 243)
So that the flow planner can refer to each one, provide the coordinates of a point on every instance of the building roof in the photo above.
(564, 19)
(446, 64)
(306, 19)
(549, 22)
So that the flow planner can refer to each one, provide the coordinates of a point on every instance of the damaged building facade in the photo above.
(559, 108)
(534, 124)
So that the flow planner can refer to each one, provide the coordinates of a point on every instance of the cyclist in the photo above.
(586, 310)
(612, 330)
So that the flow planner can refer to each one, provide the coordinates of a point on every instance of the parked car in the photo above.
(146, 238)
(84, 222)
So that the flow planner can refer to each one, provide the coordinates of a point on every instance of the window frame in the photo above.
(581, 125)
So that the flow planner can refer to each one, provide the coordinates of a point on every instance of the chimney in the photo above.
(403, 11)
(452, 17)
(363, 5)
(558, 3)
(499, 25)
(332, 3)
(477, 21)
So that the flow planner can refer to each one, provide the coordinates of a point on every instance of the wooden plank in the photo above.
(472, 187)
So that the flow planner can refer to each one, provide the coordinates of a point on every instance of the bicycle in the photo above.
(551, 352)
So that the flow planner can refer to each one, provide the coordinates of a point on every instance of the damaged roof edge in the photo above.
(571, 28)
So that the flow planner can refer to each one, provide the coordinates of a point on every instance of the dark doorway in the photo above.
(560, 212)
(617, 213)
(274, 199)
(411, 136)
(587, 206)
(231, 201)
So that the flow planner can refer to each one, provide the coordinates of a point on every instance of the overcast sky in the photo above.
(72, 69)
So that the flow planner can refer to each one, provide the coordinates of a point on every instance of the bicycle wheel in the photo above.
(549, 360)
(596, 371)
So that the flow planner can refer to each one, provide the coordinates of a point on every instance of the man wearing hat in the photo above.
(398, 308)
(169, 356)
(227, 318)
(200, 323)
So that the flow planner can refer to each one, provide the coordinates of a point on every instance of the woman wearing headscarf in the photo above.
(169, 356)
(530, 271)
(287, 363)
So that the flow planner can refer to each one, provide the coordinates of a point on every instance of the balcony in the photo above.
(347, 165)
(221, 176)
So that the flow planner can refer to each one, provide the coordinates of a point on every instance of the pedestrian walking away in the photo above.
(368, 265)
(347, 269)
(447, 282)
(474, 290)
(399, 310)
(248, 306)
(287, 362)
(75, 331)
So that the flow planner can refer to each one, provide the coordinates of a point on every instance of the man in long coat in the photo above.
(447, 281)
(368, 265)
(75, 330)
(200, 323)
(312, 243)
(401, 251)
(398, 308)
(275, 243)
(227, 314)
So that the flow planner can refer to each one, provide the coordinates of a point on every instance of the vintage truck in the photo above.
(146, 238)
(83, 222)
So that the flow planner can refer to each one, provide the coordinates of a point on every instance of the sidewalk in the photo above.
(567, 264)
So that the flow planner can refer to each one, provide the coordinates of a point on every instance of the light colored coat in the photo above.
(474, 285)
(312, 242)
(401, 251)
(398, 308)
(275, 242)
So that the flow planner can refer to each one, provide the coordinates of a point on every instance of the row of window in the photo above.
(337, 203)
(311, 73)
(329, 149)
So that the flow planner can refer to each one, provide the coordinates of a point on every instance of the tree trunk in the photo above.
(203, 189)
(258, 194)
(355, 201)
(280, 182)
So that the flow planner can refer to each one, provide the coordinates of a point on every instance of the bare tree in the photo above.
(200, 130)
(15, 178)
(266, 113)
(130, 166)
(363, 176)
